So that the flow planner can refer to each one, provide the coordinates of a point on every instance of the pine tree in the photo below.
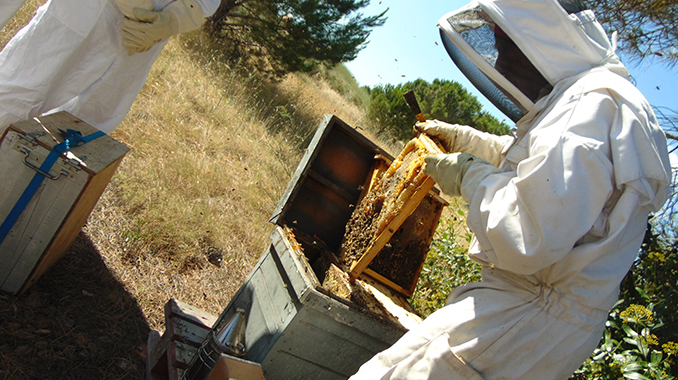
(294, 35)
(441, 99)
(647, 28)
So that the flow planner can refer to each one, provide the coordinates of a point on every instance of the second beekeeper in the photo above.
(89, 57)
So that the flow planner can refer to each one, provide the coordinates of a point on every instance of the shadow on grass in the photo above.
(76, 322)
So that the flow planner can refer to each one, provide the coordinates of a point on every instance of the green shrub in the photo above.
(441, 99)
(447, 266)
(631, 348)
(641, 334)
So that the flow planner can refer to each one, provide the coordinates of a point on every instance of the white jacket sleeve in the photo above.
(458, 138)
(529, 218)
(484, 145)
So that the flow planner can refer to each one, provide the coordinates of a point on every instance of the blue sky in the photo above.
(408, 47)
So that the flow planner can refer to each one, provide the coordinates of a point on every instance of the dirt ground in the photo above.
(75, 322)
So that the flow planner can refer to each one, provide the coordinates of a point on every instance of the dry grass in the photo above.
(19, 20)
(185, 217)
(210, 158)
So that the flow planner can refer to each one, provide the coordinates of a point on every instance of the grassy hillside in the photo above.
(186, 216)
(212, 151)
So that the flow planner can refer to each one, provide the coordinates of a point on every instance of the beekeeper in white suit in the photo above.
(89, 57)
(558, 212)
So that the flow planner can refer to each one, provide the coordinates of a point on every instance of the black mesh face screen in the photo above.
(479, 34)
(488, 88)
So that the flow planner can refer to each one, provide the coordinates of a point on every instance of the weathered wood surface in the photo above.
(186, 332)
(180, 309)
(34, 230)
(167, 356)
(56, 213)
(179, 354)
(156, 356)
(297, 331)
(94, 156)
(77, 217)
(229, 367)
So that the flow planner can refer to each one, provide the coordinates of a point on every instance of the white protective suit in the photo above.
(70, 58)
(557, 225)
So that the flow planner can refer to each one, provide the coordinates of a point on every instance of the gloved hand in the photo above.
(127, 6)
(458, 174)
(446, 133)
(150, 27)
(462, 138)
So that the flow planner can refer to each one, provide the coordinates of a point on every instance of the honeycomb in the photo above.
(386, 197)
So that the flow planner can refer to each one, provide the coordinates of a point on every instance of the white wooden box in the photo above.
(55, 214)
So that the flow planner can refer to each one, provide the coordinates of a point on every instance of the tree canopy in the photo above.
(294, 35)
(647, 28)
(441, 99)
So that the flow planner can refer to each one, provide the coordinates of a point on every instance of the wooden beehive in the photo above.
(305, 320)
(53, 217)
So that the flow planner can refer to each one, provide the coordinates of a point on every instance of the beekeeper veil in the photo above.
(514, 51)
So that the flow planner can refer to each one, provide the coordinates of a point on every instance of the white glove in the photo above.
(147, 28)
(127, 6)
(462, 138)
(458, 174)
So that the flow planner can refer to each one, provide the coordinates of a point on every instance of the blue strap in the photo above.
(73, 138)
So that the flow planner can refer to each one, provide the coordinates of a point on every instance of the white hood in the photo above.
(559, 45)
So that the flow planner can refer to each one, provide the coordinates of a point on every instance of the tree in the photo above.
(646, 27)
(441, 99)
(294, 35)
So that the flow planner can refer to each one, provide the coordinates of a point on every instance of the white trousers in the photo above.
(490, 330)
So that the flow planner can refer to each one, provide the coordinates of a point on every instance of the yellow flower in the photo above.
(650, 339)
(655, 375)
(671, 348)
(657, 256)
(637, 313)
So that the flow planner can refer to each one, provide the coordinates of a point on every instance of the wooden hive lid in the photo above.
(93, 156)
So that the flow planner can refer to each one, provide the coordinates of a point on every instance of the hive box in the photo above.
(53, 217)
(296, 329)
(232, 368)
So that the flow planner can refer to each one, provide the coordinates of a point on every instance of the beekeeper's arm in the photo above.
(146, 28)
(465, 139)
(528, 219)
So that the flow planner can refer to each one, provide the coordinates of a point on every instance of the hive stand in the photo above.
(185, 329)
